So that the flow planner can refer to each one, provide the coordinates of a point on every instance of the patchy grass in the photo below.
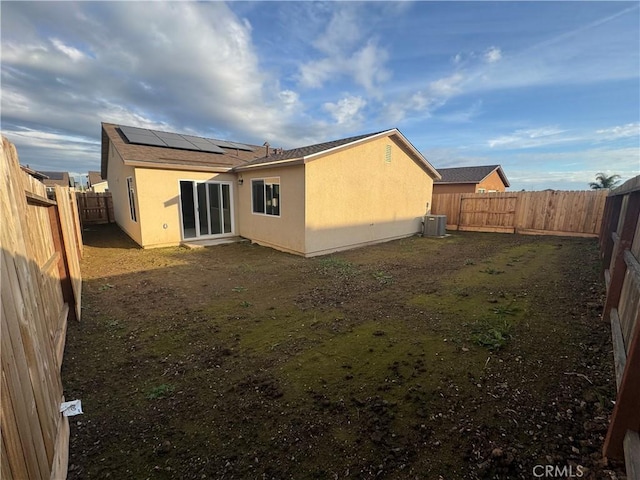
(403, 360)
(160, 391)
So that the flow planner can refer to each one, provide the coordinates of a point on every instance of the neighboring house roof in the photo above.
(470, 174)
(170, 158)
(34, 173)
(304, 154)
(57, 178)
(95, 177)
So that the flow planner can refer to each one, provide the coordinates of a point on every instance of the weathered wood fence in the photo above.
(95, 208)
(620, 253)
(545, 213)
(40, 289)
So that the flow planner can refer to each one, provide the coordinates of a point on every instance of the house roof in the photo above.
(304, 154)
(34, 173)
(470, 174)
(233, 159)
(170, 158)
(95, 177)
(57, 178)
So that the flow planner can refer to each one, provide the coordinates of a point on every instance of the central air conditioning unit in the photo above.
(434, 226)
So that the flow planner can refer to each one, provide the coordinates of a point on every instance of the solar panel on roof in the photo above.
(167, 134)
(180, 143)
(143, 136)
(222, 143)
(136, 131)
(145, 140)
(204, 145)
(241, 146)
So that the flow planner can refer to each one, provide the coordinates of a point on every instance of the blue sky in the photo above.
(549, 90)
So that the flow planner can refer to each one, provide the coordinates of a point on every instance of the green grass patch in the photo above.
(383, 278)
(332, 265)
(160, 391)
(492, 333)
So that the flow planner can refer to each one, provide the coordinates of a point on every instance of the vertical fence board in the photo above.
(68, 222)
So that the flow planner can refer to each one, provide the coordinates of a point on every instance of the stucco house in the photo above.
(96, 183)
(57, 178)
(169, 189)
(480, 179)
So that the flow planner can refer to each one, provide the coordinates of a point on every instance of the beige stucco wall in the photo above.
(159, 203)
(100, 187)
(284, 232)
(117, 178)
(492, 182)
(355, 197)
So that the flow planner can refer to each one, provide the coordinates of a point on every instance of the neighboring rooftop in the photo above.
(95, 177)
(57, 178)
(470, 174)
(34, 173)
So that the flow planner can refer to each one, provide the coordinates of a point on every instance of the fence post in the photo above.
(619, 268)
(612, 216)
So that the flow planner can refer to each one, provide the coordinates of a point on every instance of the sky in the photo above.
(548, 90)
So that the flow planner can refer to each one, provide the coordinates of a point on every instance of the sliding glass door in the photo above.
(206, 209)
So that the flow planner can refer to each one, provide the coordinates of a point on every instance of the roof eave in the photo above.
(276, 163)
(445, 182)
(177, 166)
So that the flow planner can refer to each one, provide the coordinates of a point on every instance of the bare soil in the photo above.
(474, 356)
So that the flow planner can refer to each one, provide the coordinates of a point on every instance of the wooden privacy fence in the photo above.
(620, 253)
(545, 213)
(95, 207)
(40, 288)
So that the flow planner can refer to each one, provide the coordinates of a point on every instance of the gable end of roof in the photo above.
(305, 154)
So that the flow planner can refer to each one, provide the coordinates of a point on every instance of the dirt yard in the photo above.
(474, 356)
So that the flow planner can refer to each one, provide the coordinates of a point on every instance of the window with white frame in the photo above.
(132, 199)
(265, 196)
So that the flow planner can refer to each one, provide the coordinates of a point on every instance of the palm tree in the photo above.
(605, 181)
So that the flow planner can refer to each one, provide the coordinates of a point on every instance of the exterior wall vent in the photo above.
(387, 154)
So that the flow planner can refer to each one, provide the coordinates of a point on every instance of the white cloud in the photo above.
(527, 138)
(551, 135)
(346, 111)
(71, 52)
(447, 86)
(492, 55)
(423, 103)
(315, 74)
(367, 66)
(346, 54)
(342, 32)
(621, 131)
